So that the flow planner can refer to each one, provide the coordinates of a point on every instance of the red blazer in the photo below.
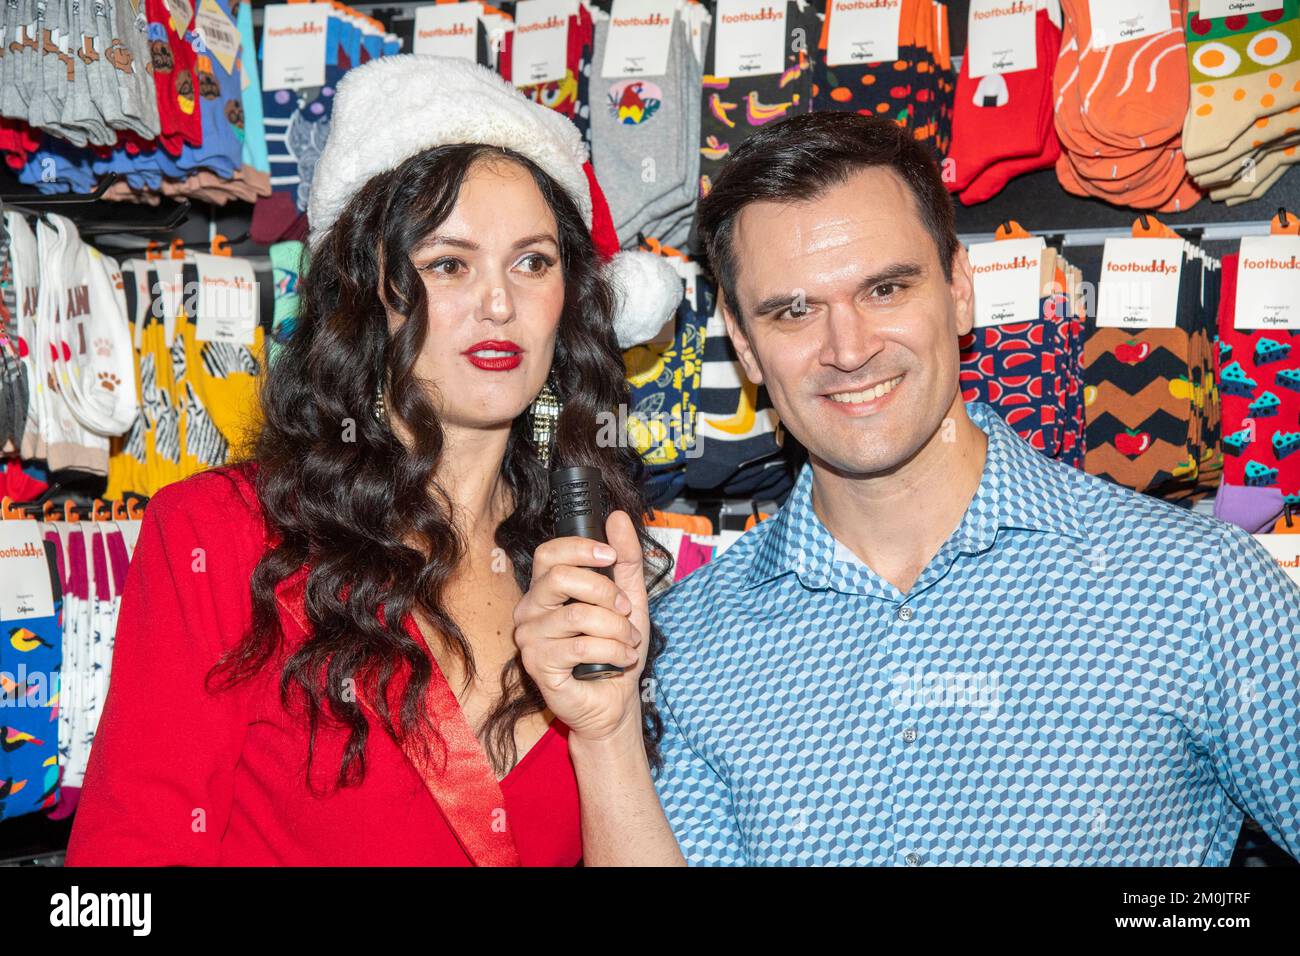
(181, 776)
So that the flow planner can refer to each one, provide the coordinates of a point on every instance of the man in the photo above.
(945, 648)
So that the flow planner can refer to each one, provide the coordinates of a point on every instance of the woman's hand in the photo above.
(608, 622)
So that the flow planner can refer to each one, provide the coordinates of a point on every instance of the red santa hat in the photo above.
(392, 108)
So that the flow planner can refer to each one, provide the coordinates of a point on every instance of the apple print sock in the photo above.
(1242, 68)
(1259, 385)
(1003, 117)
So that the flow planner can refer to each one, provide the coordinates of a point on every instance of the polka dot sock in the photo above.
(1243, 69)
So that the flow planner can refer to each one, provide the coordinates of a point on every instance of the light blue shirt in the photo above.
(1081, 676)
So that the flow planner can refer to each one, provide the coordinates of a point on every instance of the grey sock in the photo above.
(128, 53)
(621, 151)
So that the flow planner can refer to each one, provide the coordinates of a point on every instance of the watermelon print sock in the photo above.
(1259, 385)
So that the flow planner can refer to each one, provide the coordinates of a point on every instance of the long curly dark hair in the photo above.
(350, 508)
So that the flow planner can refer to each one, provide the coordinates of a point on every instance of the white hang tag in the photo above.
(227, 300)
(1139, 284)
(1217, 9)
(1007, 278)
(24, 573)
(541, 46)
(447, 29)
(293, 45)
(863, 31)
(750, 38)
(1118, 21)
(1268, 283)
(1001, 37)
(640, 32)
(1285, 549)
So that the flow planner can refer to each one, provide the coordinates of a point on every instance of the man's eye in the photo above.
(889, 289)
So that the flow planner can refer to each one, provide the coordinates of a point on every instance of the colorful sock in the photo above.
(1259, 385)
(1242, 68)
(1004, 117)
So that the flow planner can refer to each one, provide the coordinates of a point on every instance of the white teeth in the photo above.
(492, 353)
(870, 394)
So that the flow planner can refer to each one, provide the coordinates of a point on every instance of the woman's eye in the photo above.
(536, 263)
(446, 267)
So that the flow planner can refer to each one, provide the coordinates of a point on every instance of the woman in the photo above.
(315, 660)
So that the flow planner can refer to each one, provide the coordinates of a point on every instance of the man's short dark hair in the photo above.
(798, 159)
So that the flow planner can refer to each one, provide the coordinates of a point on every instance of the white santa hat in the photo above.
(394, 107)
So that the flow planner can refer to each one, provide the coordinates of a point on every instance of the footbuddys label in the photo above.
(1001, 37)
(1007, 274)
(1268, 283)
(639, 34)
(750, 38)
(863, 31)
(1139, 284)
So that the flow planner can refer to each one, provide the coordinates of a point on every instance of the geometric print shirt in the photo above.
(1082, 676)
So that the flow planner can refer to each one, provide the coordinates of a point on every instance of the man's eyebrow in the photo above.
(459, 243)
(890, 273)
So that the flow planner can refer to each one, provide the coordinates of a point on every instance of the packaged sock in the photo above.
(1005, 118)
(1259, 385)
(1242, 68)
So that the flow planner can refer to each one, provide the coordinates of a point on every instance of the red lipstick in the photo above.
(497, 362)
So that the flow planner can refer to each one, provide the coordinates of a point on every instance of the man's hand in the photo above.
(574, 615)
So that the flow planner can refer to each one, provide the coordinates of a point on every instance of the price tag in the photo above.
(1217, 9)
(24, 573)
(1285, 549)
(218, 33)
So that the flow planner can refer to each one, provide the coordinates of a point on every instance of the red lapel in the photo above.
(464, 785)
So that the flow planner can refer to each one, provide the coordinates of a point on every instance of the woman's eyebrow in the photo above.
(470, 244)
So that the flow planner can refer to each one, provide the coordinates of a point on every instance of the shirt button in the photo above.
(913, 859)
(909, 734)
(905, 613)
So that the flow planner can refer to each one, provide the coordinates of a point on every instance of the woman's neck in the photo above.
(471, 475)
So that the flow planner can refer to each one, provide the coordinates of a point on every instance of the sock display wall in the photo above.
(122, 186)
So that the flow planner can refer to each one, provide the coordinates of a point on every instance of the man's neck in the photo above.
(895, 522)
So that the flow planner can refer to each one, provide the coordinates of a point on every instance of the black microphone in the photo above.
(580, 505)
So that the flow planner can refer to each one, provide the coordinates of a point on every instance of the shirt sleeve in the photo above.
(1251, 690)
(696, 800)
(159, 782)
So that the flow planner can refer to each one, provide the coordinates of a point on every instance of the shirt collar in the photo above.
(1020, 488)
